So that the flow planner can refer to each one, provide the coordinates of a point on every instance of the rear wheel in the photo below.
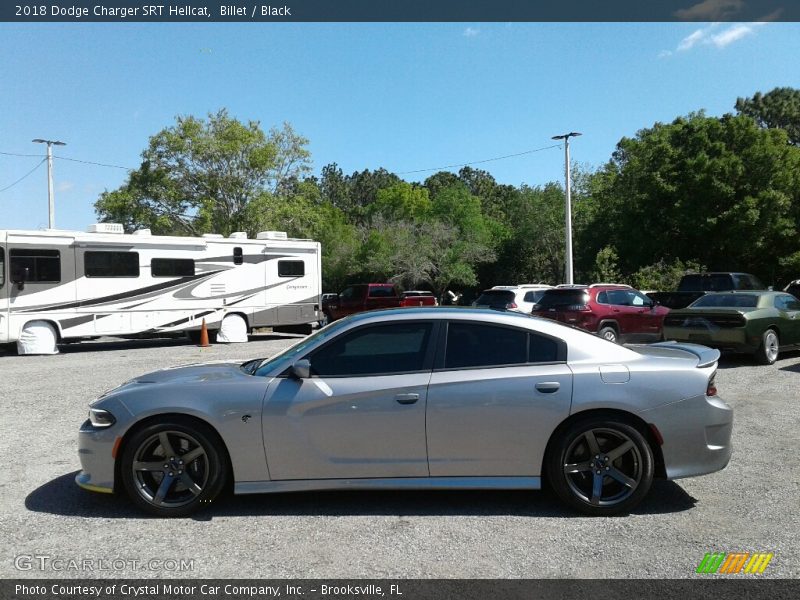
(608, 332)
(173, 468)
(769, 349)
(600, 466)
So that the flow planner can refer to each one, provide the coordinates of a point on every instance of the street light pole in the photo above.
(51, 202)
(568, 232)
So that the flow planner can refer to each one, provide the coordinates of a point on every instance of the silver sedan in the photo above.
(443, 398)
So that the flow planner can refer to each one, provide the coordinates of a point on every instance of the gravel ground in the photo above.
(750, 506)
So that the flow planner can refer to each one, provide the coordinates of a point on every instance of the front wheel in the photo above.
(173, 468)
(769, 349)
(600, 467)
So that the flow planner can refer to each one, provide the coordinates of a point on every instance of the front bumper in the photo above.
(95, 449)
(697, 435)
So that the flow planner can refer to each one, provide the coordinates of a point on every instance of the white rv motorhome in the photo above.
(70, 285)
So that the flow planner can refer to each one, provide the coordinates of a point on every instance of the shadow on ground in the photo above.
(63, 497)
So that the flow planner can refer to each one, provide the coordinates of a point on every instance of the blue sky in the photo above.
(399, 96)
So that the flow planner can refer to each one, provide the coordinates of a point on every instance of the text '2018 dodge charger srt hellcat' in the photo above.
(447, 398)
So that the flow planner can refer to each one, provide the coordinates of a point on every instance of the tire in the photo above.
(187, 487)
(769, 349)
(324, 320)
(609, 332)
(600, 466)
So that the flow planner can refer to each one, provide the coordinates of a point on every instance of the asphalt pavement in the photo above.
(750, 506)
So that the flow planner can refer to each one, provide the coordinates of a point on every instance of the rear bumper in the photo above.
(697, 435)
(730, 340)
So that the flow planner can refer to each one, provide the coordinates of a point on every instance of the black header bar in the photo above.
(282, 11)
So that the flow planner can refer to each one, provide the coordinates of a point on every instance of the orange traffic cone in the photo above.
(204, 336)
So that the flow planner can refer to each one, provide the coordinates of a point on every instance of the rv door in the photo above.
(3, 297)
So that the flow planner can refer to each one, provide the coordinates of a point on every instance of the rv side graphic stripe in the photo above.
(122, 296)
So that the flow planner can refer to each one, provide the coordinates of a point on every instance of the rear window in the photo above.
(705, 283)
(727, 301)
(382, 292)
(563, 298)
(534, 296)
(495, 297)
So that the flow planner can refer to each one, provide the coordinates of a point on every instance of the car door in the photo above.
(645, 318)
(622, 311)
(495, 396)
(362, 412)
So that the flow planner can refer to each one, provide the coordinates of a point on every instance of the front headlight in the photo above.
(101, 418)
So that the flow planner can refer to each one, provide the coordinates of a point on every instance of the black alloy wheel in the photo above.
(173, 468)
(601, 466)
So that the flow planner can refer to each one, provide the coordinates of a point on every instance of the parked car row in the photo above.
(729, 311)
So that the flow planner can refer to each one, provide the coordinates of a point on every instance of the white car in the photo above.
(519, 298)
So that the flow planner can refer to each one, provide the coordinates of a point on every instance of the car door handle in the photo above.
(548, 387)
(407, 398)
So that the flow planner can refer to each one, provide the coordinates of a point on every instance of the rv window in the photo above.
(172, 267)
(44, 266)
(237, 256)
(291, 268)
(111, 264)
(2, 267)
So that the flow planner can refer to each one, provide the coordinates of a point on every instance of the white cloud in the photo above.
(64, 186)
(471, 32)
(717, 35)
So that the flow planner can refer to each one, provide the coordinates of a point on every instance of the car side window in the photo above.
(602, 298)
(374, 350)
(346, 294)
(638, 299)
(619, 298)
(482, 345)
(786, 302)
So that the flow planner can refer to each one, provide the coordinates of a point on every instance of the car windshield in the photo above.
(562, 298)
(262, 366)
(727, 301)
(495, 297)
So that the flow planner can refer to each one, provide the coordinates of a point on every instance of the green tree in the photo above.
(721, 191)
(605, 266)
(202, 175)
(779, 108)
(402, 201)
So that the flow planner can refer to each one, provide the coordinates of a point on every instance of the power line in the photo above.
(39, 164)
(478, 162)
(88, 162)
(85, 162)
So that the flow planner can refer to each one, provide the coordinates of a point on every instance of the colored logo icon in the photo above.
(734, 562)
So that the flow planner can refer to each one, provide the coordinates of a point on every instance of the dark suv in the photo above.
(617, 313)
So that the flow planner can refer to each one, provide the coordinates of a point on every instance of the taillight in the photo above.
(511, 305)
(711, 390)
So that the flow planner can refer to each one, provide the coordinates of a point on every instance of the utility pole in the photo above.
(568, 232)
(51, 220)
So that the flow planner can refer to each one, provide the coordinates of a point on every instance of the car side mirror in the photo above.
(301, 369)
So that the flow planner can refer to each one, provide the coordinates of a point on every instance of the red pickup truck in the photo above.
(370, 296)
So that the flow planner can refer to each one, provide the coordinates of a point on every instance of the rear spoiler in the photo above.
(707, 356)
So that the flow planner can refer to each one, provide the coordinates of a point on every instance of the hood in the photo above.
(193, 373)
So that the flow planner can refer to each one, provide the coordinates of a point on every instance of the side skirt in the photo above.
(404, 483)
